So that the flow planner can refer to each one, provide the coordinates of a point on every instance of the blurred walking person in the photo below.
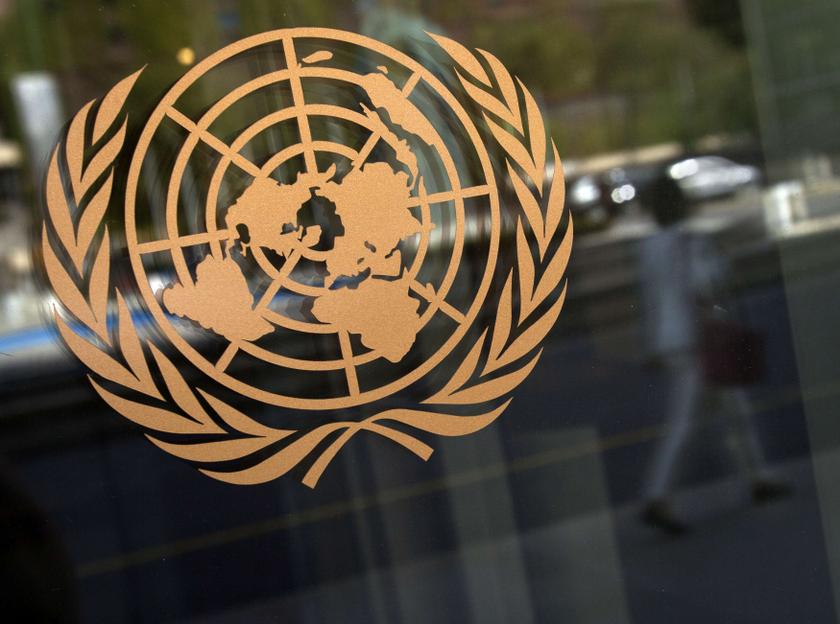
(705, 359)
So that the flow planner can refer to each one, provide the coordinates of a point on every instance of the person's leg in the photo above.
(746, 446)
(684, 379)
(747, 449)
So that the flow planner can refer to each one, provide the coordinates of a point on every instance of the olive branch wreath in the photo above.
(78, 192)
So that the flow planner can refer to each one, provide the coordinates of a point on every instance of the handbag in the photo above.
(732, 354)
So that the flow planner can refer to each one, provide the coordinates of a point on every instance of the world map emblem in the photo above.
(319, 237)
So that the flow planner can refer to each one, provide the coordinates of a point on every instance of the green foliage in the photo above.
(624, 75)
(546, 51)
(722, 17)
(611, 75)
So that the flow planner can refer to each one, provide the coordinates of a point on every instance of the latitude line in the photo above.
(349, 367)
(188, 240)
(453, 195)
(428, 293)
(273, 288)
(299, 104)
(213, 141)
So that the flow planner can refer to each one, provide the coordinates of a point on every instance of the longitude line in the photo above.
(429, 294)
(409, 85)
(213, 141)
(349, 367)
(275, 286)
(299, 103)
(266, 298)
(227, 357)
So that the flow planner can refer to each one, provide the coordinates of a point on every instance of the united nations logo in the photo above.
(320, 237)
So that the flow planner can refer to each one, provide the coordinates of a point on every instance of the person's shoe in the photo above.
(766, 491)
(658, 514)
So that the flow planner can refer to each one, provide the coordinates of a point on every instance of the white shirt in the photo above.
(678, 269)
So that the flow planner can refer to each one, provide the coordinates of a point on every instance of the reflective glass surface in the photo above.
(673, 457)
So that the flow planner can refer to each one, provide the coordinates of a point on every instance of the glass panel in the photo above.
(673, 454)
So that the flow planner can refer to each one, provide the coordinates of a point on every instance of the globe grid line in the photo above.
(183, 241)
(212, 140)
(429, 294)
(270, 292)
(478, 190)
(299, 103)
(349, 367)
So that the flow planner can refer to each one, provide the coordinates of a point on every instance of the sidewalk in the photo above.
(740, 563)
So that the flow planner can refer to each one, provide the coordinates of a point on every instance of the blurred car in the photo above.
(711, 177)
(586, 198)
(627, 185)
(599, 197)
(10, 162)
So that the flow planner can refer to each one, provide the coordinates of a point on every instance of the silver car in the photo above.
(708, 177)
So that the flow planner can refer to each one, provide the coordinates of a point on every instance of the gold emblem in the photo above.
(355, 215)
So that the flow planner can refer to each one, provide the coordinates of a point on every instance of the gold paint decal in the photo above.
(339, 218)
